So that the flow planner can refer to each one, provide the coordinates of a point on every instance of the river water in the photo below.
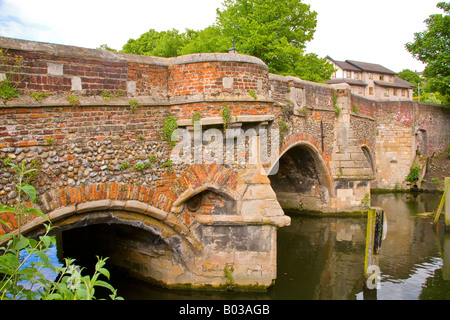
(322, 258)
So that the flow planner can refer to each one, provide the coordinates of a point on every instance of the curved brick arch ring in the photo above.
(197, 178)
(122, 203)
(308, 141)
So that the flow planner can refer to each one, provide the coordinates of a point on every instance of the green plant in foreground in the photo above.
(24, 280)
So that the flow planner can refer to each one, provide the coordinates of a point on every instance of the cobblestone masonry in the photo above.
(95, 137)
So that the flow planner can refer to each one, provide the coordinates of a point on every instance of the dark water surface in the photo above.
(322, 258)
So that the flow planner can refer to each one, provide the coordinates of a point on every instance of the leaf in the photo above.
(104, 272)
(5, 208)
(36, 212)
(29, 190)
(22, 243)
(104, 284)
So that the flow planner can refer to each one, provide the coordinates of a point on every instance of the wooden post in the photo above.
(376, 231)
(370, 258)
(374, 236)
(447, 202)
(446, 257)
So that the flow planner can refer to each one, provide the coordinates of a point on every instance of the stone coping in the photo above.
(79, 52)
(219, 120)
(60, 100)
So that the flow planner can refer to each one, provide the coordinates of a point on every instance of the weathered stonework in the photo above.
(102, 159)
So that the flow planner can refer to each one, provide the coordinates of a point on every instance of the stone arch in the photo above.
(139, 202)
(296, 147)
(369, 156)
(198, 178)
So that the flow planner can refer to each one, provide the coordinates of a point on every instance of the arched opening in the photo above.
(136, 245)
(301, 181)
(369, 158)
(131, 251)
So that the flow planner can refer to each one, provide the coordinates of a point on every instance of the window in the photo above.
(371, 76)
(395, 92)
(403, 92)
(381, 77)
(360, 91)
(391, 79)
(371, 91)
(356, 75)
(386, 92)
(349, 74)
(333, 75)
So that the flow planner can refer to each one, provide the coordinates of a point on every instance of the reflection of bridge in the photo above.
(98, 144)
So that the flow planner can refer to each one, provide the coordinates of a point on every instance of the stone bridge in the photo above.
(204, 211)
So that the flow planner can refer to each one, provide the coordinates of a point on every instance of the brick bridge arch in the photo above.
(321, 162)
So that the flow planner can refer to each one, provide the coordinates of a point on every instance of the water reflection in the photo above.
(322, 258)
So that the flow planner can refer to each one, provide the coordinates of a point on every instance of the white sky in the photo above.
(364, 30)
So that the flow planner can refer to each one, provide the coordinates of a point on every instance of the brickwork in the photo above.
(104, 151)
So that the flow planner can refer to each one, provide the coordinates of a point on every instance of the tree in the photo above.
(432, 47)
(274, 31)
(153, 43)
(277, 33)
(413, 78)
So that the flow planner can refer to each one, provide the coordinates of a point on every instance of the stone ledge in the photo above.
(277, 221)
(219, 120)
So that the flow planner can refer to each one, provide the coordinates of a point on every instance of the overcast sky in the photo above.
(362, 30)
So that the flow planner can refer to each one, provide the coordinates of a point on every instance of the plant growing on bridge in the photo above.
(284, 130)
(133, 106)
(169, 127)
(228, 274)
(12, 65)
(21, 279)
(413, 173)
(73, 100)
(226, 116)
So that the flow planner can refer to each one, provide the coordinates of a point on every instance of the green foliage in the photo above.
(134, 104)
(435, 180)
(432, 47)
(24, 280)
(105, 47)
(413, 173)
(253, 94)
(153, 43)
(12, 64)
(168, 165)
(448, 151)
(228, 274)
(284, 130)
(355, 108)
(337, 110)
(8, 90)
(124, 166)
(169, 127)
(139, 166)
(366, 200)
(197, 117)
(49, 140)
(226, 116)
(39, 95)
(73, 100)
(276, 33)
